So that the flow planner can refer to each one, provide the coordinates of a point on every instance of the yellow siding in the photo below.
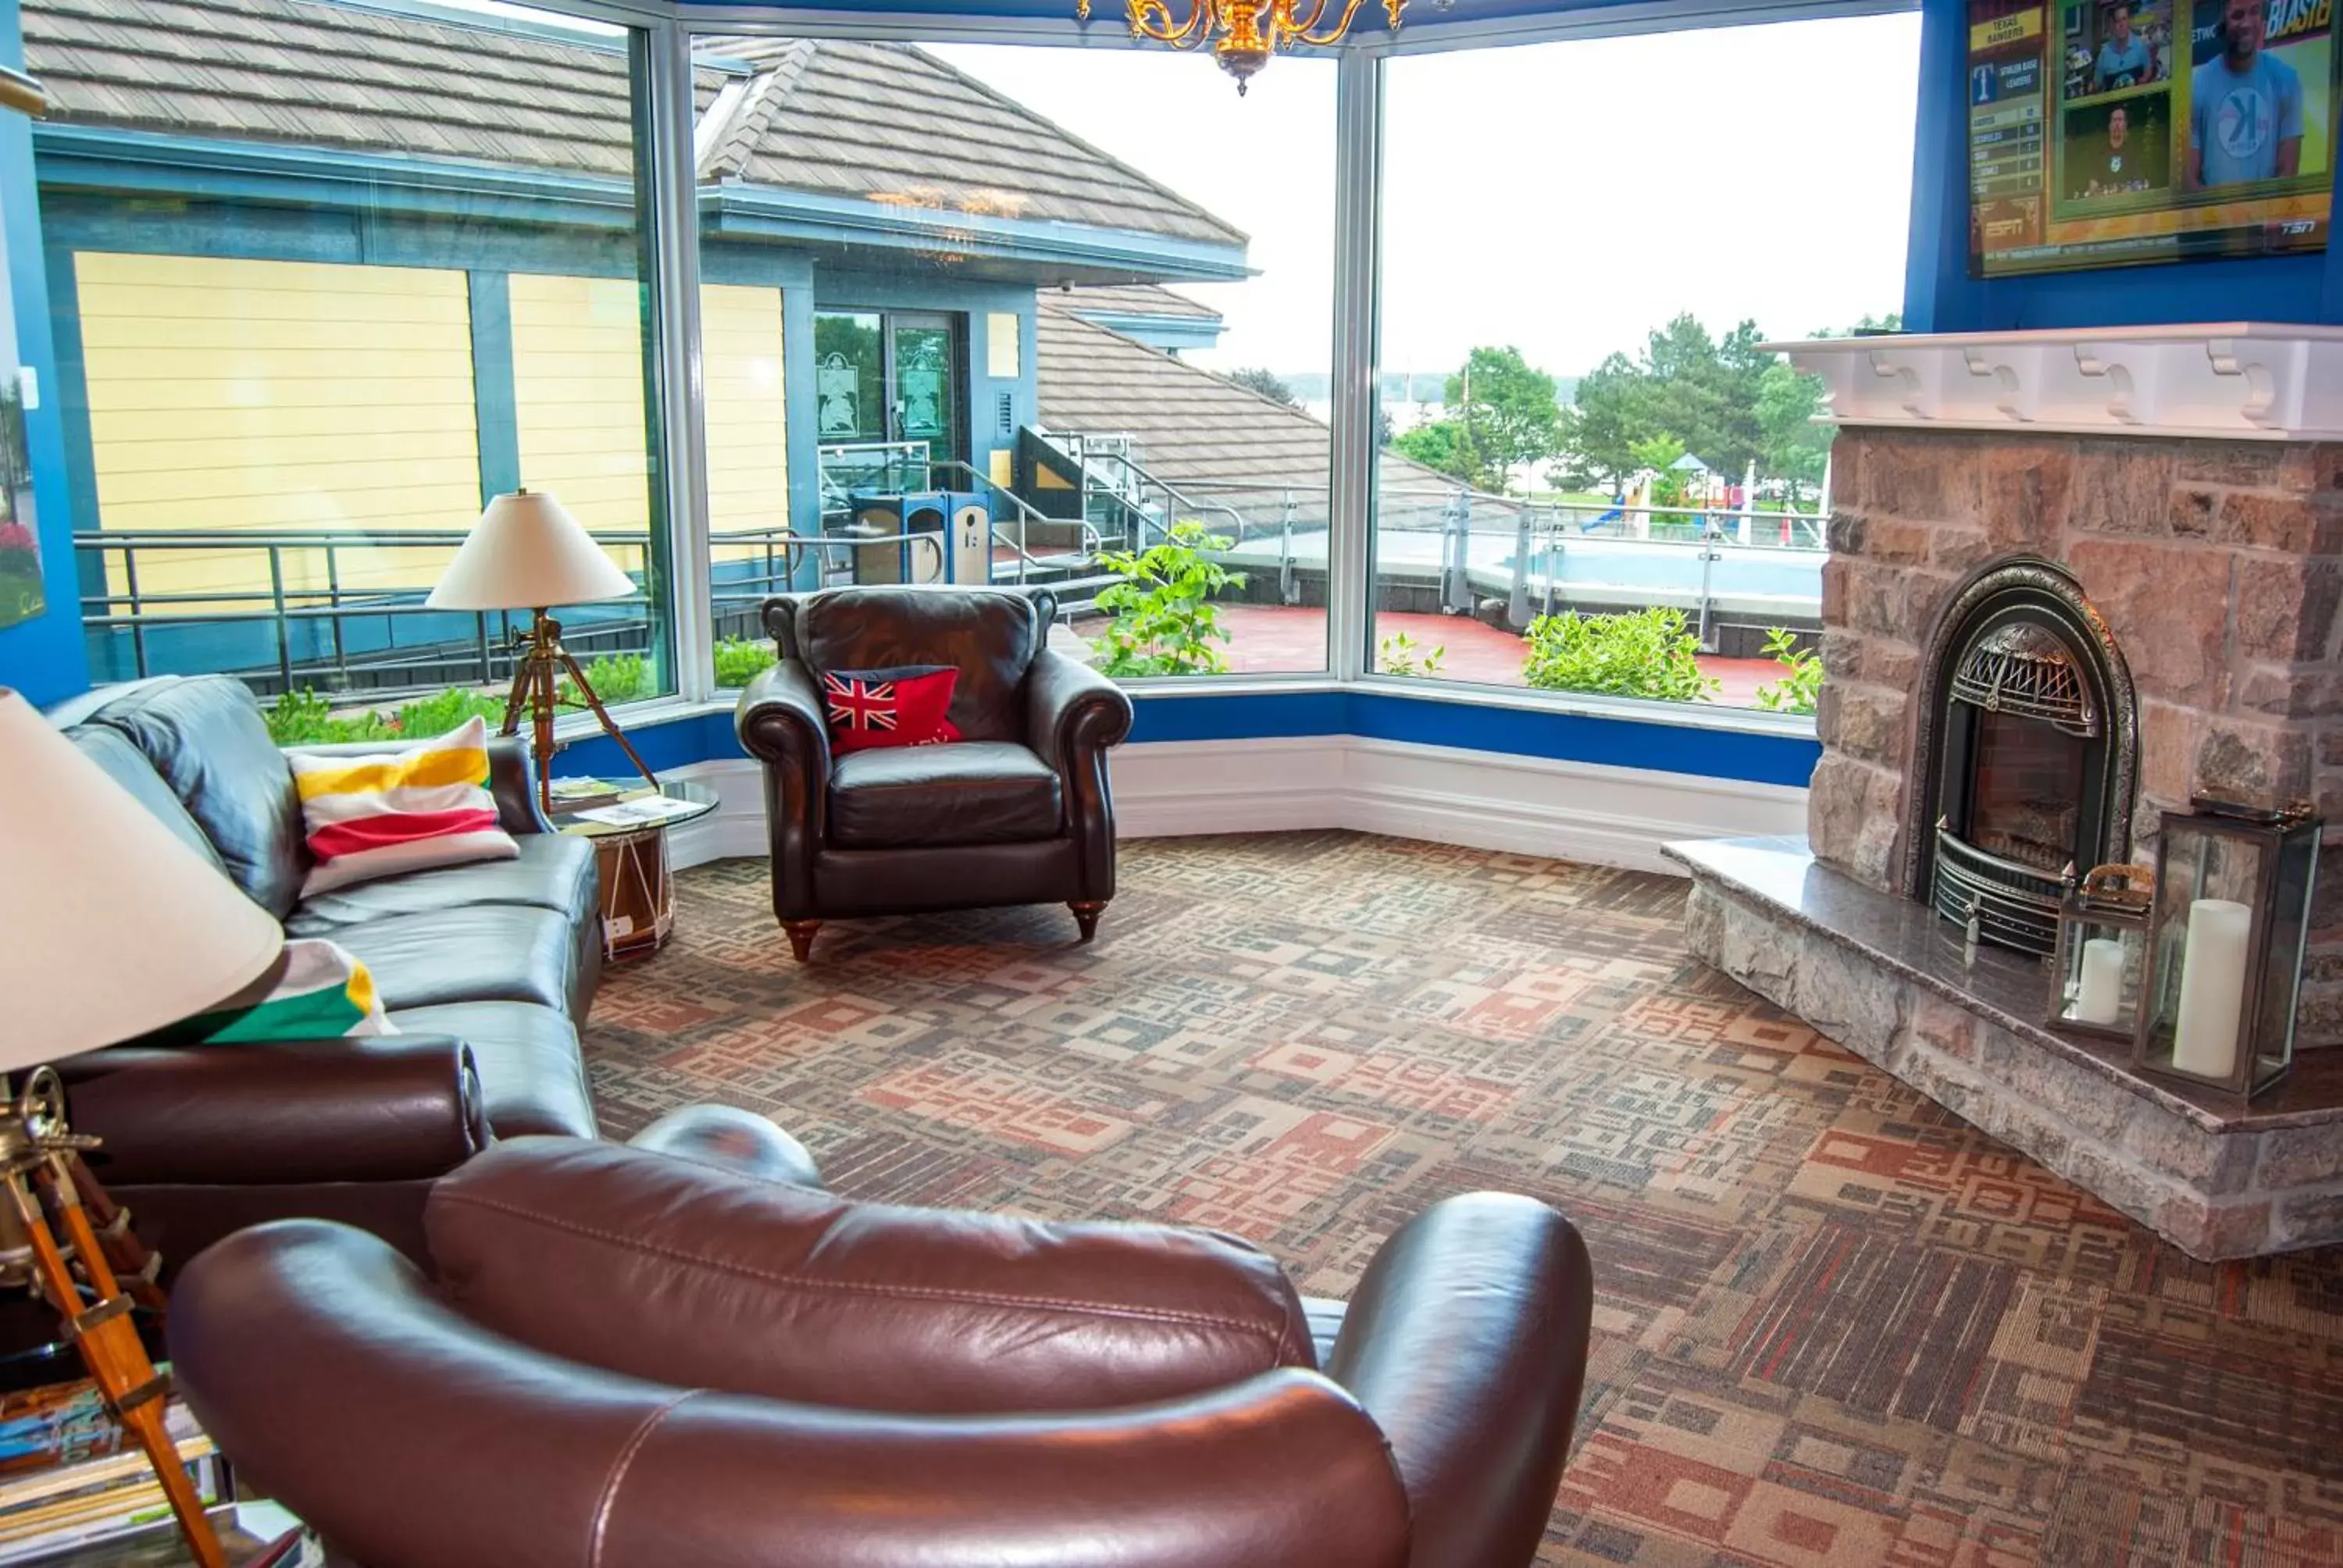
(251, 395)
(747, 415)
(578, 395)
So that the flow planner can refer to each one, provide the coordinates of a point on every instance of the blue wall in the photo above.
(1939, 294)
(42, 657)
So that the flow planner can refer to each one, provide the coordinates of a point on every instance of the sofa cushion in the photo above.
(127, 766)
(207, 740)
(384, 814)
(531, 1077)
(553, 872)
(978, 792)
(988, 634)
(472, 952)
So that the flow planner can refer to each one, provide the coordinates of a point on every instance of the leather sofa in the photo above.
(485, 969)
(641, 1362)
(1020, 814)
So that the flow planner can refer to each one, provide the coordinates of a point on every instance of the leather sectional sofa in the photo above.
(486, 970)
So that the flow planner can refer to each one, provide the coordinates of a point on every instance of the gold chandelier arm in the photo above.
(1288, 28)
(1333, 35)
(1152, 19)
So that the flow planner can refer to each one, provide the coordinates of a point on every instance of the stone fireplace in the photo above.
(2075, 580)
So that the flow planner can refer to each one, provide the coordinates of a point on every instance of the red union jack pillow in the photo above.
(873, 707)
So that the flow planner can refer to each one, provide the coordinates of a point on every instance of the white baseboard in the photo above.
(1487, 800)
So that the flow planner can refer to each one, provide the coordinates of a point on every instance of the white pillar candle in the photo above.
(2212, 988)
(2099, 996)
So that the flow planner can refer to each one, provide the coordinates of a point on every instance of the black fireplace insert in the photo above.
(2026, 755)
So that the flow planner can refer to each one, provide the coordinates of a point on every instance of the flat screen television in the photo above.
(2114, 135)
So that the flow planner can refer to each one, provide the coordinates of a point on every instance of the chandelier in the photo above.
(1244, 33)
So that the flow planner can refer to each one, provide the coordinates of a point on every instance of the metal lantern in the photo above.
(2102, 952)
(2231, 912)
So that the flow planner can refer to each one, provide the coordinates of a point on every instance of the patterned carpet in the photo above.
(1834, 1324)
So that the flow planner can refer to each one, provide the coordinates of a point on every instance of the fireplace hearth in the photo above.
(2027, 753)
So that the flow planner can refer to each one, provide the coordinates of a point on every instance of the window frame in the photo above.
(668, 31)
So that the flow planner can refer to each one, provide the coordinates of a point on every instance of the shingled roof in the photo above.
(883, 122)
(892, 122)
(1195, 429)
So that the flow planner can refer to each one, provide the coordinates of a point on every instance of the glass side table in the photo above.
(637, 886)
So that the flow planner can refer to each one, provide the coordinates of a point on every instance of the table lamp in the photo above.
(527, 552)
(121, 930)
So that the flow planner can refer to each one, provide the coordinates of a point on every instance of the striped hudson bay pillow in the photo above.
(400, 812)
(315, 991)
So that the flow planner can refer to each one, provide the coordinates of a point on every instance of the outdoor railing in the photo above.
(324, 606)
(306, 612)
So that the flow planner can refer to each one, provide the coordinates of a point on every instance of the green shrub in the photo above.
(616, 677)
(1802, 675)
(443, 711)
(740, 659)
(303, 717)
(1400, 654)
(1165, 621)
(1646, 653)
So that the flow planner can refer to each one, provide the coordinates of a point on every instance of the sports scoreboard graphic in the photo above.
(2110, 135)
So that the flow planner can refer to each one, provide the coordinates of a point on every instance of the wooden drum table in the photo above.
(637, 885)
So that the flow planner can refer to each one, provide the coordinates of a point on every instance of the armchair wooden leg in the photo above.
(802, 935)
(1086, 915)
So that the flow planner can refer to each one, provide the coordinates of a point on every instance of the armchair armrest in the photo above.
(1467, 1344)
(1071, 710)
(1073, 715)
(780, 723)
(512, 778)
(399, 1107)
(780, 719)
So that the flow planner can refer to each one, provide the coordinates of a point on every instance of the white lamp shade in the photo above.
(527, 552)
(115, 928)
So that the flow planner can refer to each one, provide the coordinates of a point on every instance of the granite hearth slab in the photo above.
(2217, 1176)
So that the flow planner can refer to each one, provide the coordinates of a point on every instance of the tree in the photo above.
(1508, 413)
(1795, 444)
(1268, 383)
(1443, 447)
(1606, 417)
(1723, 399)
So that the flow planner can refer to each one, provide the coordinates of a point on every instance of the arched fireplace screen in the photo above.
(2027, 757)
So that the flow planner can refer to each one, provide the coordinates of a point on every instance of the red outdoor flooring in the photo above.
(1271, 639)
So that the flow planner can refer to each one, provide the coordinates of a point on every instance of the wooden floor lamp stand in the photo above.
(41, 1164)
(539, 664)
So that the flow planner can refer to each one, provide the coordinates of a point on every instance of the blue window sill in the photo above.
(1704, 742)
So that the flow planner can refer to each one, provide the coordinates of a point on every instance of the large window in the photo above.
(1025, 317)
(314, 310)
(1589, 478)
(1016, 314)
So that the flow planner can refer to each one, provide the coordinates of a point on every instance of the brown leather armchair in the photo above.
(643, 1362)
(1020, 813)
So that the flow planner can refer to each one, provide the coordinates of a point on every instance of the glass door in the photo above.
(922, 379)
(849, 376)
